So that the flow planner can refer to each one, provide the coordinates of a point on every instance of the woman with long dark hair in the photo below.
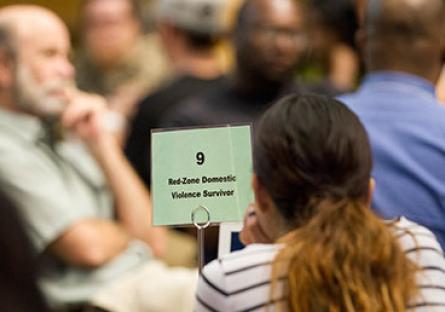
(330, 252)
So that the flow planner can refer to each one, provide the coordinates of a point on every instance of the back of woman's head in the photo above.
(313, 157)
(309, 147)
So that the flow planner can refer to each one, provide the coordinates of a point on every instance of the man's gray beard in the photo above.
(34, 99)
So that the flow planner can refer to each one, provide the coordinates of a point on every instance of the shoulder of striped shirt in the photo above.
(215, 273)
(252, 256)
(412, 235)
(421, 246)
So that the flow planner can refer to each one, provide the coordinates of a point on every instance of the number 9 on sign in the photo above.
(200, 158)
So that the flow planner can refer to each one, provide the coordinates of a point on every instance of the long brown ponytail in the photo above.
(345, 259)
(312, 155)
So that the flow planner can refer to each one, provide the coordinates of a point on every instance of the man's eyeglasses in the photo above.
(271, 33)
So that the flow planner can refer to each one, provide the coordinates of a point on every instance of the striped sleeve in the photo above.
(210, 294)
(239, 281)
(421, 246)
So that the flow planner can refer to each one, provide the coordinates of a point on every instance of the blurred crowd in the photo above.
(75, 123)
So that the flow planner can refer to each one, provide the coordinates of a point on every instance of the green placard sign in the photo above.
(207, 167)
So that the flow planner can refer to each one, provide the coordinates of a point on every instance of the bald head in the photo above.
(408, 34)
(413, 19)
(40, 69)
(26, 21)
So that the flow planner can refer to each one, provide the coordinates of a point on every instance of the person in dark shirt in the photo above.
(269, 39)
(190, 47)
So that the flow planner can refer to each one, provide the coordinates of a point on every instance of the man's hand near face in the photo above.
(90, 118)
(86, 115)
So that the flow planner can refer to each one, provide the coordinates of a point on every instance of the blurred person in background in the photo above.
(87, 213)
(269, 38)
(332, 65)
(360, 11)
(190, 30)
(116, 59)
(314, 242)
(403, 46)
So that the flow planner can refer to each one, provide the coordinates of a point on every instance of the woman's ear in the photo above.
(262, 197)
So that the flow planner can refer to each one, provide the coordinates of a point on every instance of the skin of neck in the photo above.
(200, 63)
(422, 58)
(249, 82)
(185, 58)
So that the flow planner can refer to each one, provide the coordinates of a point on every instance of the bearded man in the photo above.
(86, 211)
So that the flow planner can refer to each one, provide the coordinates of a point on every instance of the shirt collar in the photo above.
(25, 126)
(388, 79)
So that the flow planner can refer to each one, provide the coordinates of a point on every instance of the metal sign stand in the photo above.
(200, 227)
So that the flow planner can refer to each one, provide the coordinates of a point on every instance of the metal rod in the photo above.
(201, 251)
(200, 228)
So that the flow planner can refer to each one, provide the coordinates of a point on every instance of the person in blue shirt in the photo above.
(403, 45)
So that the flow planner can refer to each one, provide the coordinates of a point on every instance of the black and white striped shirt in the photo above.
(241, 281)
